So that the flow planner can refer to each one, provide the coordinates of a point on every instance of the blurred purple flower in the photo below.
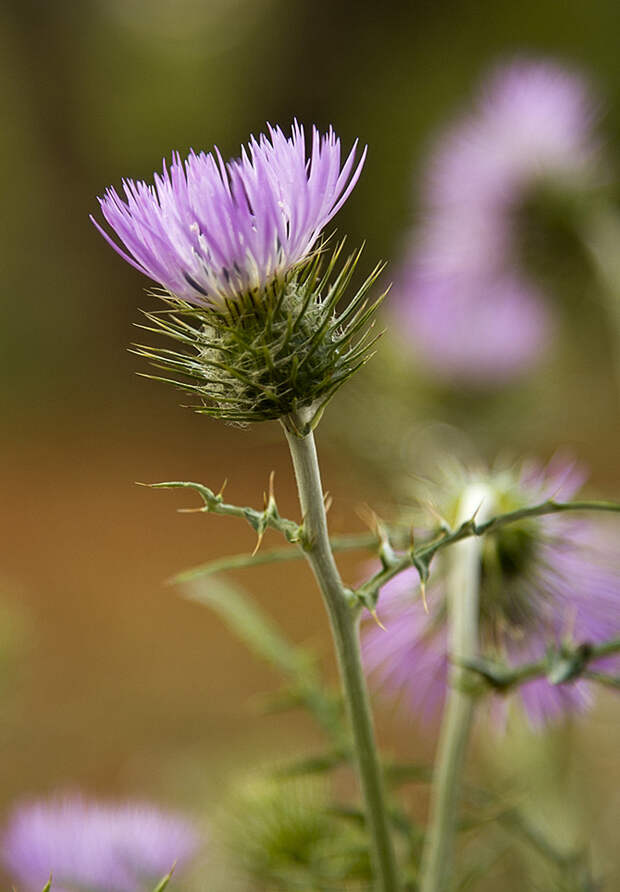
(209, 230)
(533, 119)
(468, 308)
(543, 580)
(94, 847)
(484, 330)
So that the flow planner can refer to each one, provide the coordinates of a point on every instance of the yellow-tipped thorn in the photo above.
(258, 543)
(269, 499)
(191, 510)
(375, 616)
(423, 594)
(222, 487)
(475, 514)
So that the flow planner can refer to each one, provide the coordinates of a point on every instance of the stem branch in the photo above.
(559, 666)
(472, 526)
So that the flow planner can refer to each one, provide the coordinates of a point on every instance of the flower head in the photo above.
(248, 294)
(543, 580)
(472, 311)
(95, 847)
(209, 230)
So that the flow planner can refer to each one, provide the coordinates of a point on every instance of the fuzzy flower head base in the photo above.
(95, 847)
(251, 297)
(543, 580)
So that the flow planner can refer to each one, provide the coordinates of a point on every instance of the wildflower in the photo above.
(533, 121)
(209, 231)
(481, 331)
(471, 309)
(543, 580)
(94, 847)
(236, 248)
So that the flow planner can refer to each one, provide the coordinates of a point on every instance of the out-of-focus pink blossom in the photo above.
(95, 847)
(462, 301)
(543, 580)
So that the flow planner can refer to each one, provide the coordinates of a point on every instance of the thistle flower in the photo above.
(94, 847)
(235, 247)
(209, 231)
(483, 331)
(533, 120)
(463, 297)
(543, 580)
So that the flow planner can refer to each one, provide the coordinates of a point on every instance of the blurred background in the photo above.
(110, 682)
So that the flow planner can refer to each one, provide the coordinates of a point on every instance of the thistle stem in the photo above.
(344, 621)
(463, 584)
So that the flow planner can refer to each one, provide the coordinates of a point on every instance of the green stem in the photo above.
(463, 583)
(344, 620)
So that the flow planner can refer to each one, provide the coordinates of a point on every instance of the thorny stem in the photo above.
(398, 538)
(213, 503)
(473, 526)
(566, 664)
(344, 620)
(463, 583)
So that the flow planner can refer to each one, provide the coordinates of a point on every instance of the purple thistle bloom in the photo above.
(456, 334)
(543, 580)
(470, 310)
(95, 847)
(533, 120)
(208, 230)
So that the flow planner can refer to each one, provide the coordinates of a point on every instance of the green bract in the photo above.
(273, 350)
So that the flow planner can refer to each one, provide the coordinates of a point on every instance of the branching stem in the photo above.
(473, 526)
(566, 664)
